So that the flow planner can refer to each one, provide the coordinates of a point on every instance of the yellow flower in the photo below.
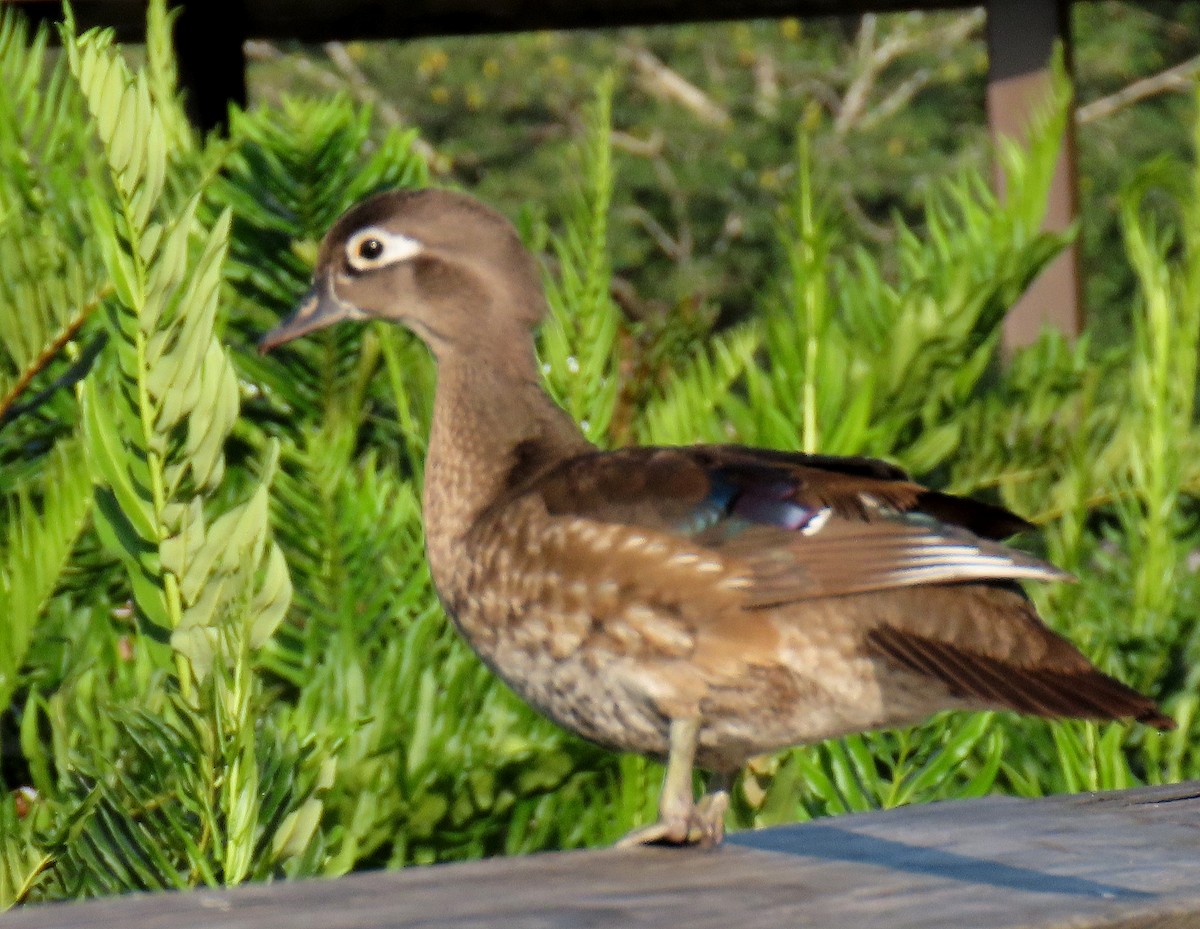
(439, 95)
(789, 28)
(491, 68)
(433, 62)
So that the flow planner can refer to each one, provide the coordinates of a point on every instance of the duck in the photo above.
(701, 604)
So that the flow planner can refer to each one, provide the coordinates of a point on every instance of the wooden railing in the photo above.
(1121, 859)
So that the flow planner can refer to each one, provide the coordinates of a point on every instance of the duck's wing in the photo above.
(799, 526)
(770, 528)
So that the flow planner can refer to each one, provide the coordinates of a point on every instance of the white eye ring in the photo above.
(373, 247)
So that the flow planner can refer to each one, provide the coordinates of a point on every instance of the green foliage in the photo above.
(118, 790)
(1162, 395)
(857, 361)
(434, 758)
(52, 278)
(156, 426)
(579, 341)
(22, 862)
(52, 283)
(688, 407)
(1116, 44)
(181, 717)
(881, 364)
(39, 540)
(893, 103)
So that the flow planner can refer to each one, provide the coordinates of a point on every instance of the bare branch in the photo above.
(871, 229)
(865, 40)
(360, 85)
(874, 59)
(960, 29)
(352, 79)
(259, 50)
(766, 86)
(667, 245)
(662, 82)
(49, 353)
(649, 147)
(820, 90)
(854, 101)
(1178, 77)
(898, 98)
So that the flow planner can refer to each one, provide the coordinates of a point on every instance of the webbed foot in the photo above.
(682, 821)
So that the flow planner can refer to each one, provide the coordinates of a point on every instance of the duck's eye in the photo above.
(375, 247)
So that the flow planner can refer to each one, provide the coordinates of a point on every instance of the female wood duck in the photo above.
(702, 604)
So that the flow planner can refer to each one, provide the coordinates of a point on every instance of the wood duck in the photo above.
(700, 604)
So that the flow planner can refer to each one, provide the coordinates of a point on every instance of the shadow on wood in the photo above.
(1123, 859)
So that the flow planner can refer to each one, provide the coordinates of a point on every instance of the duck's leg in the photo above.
(708, 822)
(676, 804)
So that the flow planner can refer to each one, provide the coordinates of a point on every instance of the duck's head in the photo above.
(441, 263)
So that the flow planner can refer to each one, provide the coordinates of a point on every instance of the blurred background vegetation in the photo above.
(705, 118)
(221, 658)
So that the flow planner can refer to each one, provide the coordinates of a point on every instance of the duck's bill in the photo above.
(318, 308)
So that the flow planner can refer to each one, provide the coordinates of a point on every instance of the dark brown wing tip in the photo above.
(983, 519)
(1120, 701)
(1071, 693)
(1158, 719)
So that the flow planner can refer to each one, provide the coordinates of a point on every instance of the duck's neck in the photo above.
(493, 424)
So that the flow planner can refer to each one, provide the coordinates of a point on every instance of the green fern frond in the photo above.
(577, 344)
(157, 434)
(43, 524)
(23, 862)
(889, 360)
(689, 407)
(179, 802)
(163, 77)
(52, 279)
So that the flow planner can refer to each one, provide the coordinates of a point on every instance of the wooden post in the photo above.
(1021, 36)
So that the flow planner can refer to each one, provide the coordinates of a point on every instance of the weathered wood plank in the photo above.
(1127, 859)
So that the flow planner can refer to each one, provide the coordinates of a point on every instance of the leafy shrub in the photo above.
(221, 655)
